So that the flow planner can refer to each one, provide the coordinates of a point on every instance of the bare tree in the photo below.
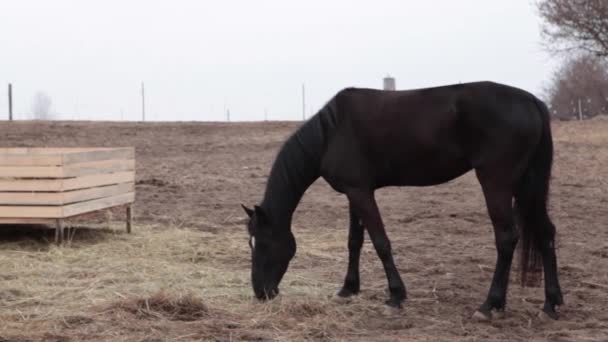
(41, 106)
(579, 87)
(580, 25)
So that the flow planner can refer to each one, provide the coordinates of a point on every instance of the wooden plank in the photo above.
(98, 167)
(31, 198)
(30, 160)
(31, 150)
(105, 154)
(60, 198)
(31, 211)
(53, 156)
(52, 150)
(31, 184)
(49, 212)
(97, 180)
(96, 193)
(31, 172)
(20, 220)
(73, 170)
(83, 182)
(98, 204)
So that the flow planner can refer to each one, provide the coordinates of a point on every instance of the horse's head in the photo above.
(272, 247)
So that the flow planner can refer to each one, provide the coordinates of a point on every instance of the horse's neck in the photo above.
(294, 170)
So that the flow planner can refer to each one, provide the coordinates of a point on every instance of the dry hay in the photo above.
(162, 305)
(157, 283)
(162, 284)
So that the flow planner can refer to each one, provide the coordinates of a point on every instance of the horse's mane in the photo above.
(298, 162)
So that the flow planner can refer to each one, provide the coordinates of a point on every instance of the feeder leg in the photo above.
(59, 232)
(129, 218)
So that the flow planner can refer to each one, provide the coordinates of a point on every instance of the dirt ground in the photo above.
(183, 275)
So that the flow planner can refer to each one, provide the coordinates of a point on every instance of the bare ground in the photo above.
(183, 274)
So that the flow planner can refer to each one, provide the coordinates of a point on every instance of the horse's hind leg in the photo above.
(544, 239)
(553, 292)
(364, 206)
(355, 242)
(499, 200)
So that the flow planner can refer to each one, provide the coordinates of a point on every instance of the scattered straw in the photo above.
(162, 305)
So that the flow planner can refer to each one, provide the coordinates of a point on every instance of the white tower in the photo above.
(389, 83)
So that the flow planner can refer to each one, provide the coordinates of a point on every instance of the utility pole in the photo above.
(143, 103)
(225, 106)
(10, 102)
(228, 115)
(303, 102)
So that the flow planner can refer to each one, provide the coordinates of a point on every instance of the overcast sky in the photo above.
(198, 58)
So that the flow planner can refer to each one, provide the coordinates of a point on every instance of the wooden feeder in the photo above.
(49, 185)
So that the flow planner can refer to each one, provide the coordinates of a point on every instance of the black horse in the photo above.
(365, 139)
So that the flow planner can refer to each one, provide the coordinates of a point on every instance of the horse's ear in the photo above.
(260, 214)
(247, 210)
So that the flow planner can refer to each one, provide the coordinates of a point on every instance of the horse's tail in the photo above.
(531, 202)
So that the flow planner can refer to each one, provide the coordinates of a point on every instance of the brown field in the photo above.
(183, 275)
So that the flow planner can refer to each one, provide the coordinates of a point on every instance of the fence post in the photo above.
(10, 102)
(143, 103)
(303, 102)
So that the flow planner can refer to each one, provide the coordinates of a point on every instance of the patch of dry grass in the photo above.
(162, 305)
(156, 283)
(170, 284)
(165, 283)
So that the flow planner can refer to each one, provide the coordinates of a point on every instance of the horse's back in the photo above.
(427, 136)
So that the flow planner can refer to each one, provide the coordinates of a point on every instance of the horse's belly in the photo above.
(424, 174)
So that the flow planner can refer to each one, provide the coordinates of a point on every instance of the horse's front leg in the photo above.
(364, 206)
(355, 242)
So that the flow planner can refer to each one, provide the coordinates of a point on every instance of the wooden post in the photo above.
(59, 232)
(303, 102)
(129, 218)
(143, 103)
(10, 102)
(580, 110)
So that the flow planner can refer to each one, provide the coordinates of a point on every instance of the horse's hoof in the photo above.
(499, 314)
(482, 317)
(340, 299)
(392, 310)
(346, 293)
(395, 303)
(548, 315)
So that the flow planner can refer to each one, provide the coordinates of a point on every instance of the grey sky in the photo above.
(198, 57)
